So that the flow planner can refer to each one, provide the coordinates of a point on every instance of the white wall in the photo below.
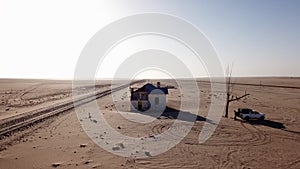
(161, 105)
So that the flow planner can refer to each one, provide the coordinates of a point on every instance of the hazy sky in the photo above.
(43, 39)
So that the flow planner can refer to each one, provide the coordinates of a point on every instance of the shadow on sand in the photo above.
(171, 113)
(272, 124)
(268, 123)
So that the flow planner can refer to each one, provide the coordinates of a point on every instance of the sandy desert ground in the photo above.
(61, 141)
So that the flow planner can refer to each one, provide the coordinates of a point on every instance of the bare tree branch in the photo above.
(238, 98)
(230, 97)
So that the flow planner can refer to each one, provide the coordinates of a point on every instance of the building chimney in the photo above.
(158, 84)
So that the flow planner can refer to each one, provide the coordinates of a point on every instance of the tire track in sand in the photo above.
(227, 160)
(16, 99)
(231, 159)
(294, 164)
(257, 137)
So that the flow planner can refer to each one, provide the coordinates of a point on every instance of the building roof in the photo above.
(150, 87)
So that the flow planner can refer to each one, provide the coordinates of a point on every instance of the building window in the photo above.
(156, 100)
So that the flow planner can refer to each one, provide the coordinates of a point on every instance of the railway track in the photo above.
(15, 123)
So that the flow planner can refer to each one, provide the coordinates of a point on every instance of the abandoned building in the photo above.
(149, 97)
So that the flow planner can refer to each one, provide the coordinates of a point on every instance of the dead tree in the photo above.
(230, 97)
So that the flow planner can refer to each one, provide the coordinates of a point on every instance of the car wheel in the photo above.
(262, 118)
(247, 118)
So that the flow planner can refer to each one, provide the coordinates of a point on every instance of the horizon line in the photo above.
(71, 79)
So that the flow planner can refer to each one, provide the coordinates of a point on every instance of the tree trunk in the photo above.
(227, 105)
(228, 100)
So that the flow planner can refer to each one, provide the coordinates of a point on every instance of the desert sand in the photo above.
(60, 142)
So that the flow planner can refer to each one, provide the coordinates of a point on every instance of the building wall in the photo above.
(157, 102)
(134, 104)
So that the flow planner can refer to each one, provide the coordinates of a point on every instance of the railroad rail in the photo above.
(14, 123)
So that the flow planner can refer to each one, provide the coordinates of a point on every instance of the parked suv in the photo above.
(248, 114)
